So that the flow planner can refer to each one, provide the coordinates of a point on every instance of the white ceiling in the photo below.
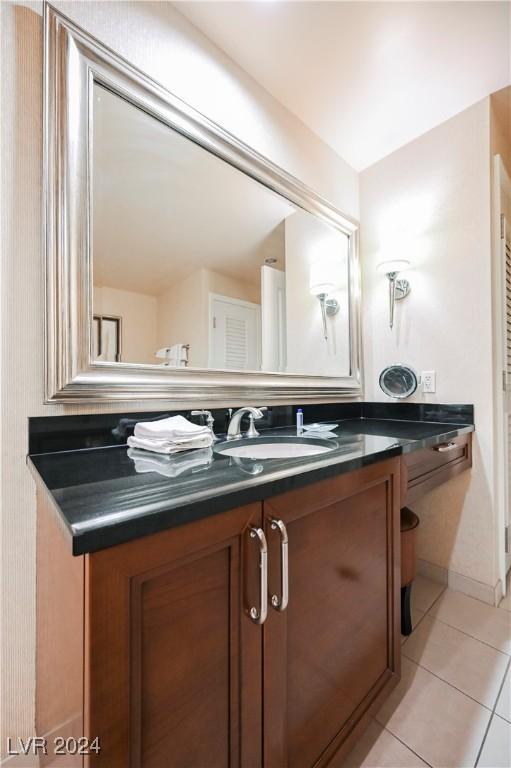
(367, 77)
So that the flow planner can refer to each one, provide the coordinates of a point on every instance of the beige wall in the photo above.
(501, 135)
(156, 38)
(178, 316)
(229, 286)
(430, 202)
(500, 115)
(183, 311)
(183, 318)
(138, 313)
(501, 125)
(307, 351)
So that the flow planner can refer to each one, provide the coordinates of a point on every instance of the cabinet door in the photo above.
(173, 660)
(333, 653)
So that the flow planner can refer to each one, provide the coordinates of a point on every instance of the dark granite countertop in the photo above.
(105, 500)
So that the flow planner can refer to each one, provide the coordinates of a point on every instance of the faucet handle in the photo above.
(233, 430)
(202, 413)
(209, 420)
(251, 431)
(257, 413)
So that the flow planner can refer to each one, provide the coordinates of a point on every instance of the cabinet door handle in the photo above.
(280, 603)
(446, 447)
(259, 614)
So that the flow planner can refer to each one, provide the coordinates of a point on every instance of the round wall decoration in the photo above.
(398, 380)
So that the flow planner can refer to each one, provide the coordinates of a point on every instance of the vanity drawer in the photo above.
(425, 469)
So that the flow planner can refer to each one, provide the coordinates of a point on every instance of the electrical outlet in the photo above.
(428, 381)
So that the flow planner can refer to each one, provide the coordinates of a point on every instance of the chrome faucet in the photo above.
(233, 431)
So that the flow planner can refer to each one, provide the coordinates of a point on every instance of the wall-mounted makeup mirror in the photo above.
(182, 264)
(398, 380)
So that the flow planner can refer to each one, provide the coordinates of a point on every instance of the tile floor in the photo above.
(452, 707)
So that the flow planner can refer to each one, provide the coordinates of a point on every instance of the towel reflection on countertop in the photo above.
(171, 466)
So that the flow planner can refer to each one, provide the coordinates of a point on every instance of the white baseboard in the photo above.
(71, 728)
(499, 592)
(20, 761)
(432, 572)
(460, 583)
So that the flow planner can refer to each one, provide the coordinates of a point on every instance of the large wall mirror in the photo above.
(182, 264)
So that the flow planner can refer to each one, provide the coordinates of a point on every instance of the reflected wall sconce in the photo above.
(398, 286)
(323, 280)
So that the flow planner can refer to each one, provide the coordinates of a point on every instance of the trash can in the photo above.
(409, 524)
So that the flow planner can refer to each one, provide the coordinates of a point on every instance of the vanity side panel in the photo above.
(60, 626)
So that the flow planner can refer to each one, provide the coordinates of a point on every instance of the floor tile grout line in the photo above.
(424, 613)
(437, 598)
(497, 650)
(467, 634)
(452, 625)
(454, 687)
(405, 745)
(479, 753)
(435, 618)
(494, 710)
(446, 588)
(407, 637)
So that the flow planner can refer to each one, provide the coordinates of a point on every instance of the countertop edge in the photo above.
(159, 519)
(122, 532)
(63, 523)
(429, 442)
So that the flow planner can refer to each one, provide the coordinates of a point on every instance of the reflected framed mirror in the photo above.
(181, 264)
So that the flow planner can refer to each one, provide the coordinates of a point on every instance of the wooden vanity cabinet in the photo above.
(334, 653)
(146, 645)
(173, 672)
(427, 468)
(173, 661)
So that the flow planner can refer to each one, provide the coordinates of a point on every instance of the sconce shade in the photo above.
(323, 277)
(395, 265)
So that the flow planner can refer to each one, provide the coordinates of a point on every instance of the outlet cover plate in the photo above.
(428, 381)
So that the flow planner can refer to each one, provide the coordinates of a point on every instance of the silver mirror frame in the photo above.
(74, 61)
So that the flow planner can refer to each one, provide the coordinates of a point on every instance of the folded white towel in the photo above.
(171, 466)
(174, 364)
(178, 351)
(173, 428)
(171, 446)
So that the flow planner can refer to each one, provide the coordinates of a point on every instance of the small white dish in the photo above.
(321, 433)
(319, 427)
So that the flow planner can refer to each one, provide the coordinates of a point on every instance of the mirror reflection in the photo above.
(197, 265)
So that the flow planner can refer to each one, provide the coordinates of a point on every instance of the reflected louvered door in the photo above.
(506, 260)
(234, 334)
(236, 342)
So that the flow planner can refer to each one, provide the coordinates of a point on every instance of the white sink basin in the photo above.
(274, 448)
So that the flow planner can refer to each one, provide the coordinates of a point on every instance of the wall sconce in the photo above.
(398, 287)
(322, 281)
